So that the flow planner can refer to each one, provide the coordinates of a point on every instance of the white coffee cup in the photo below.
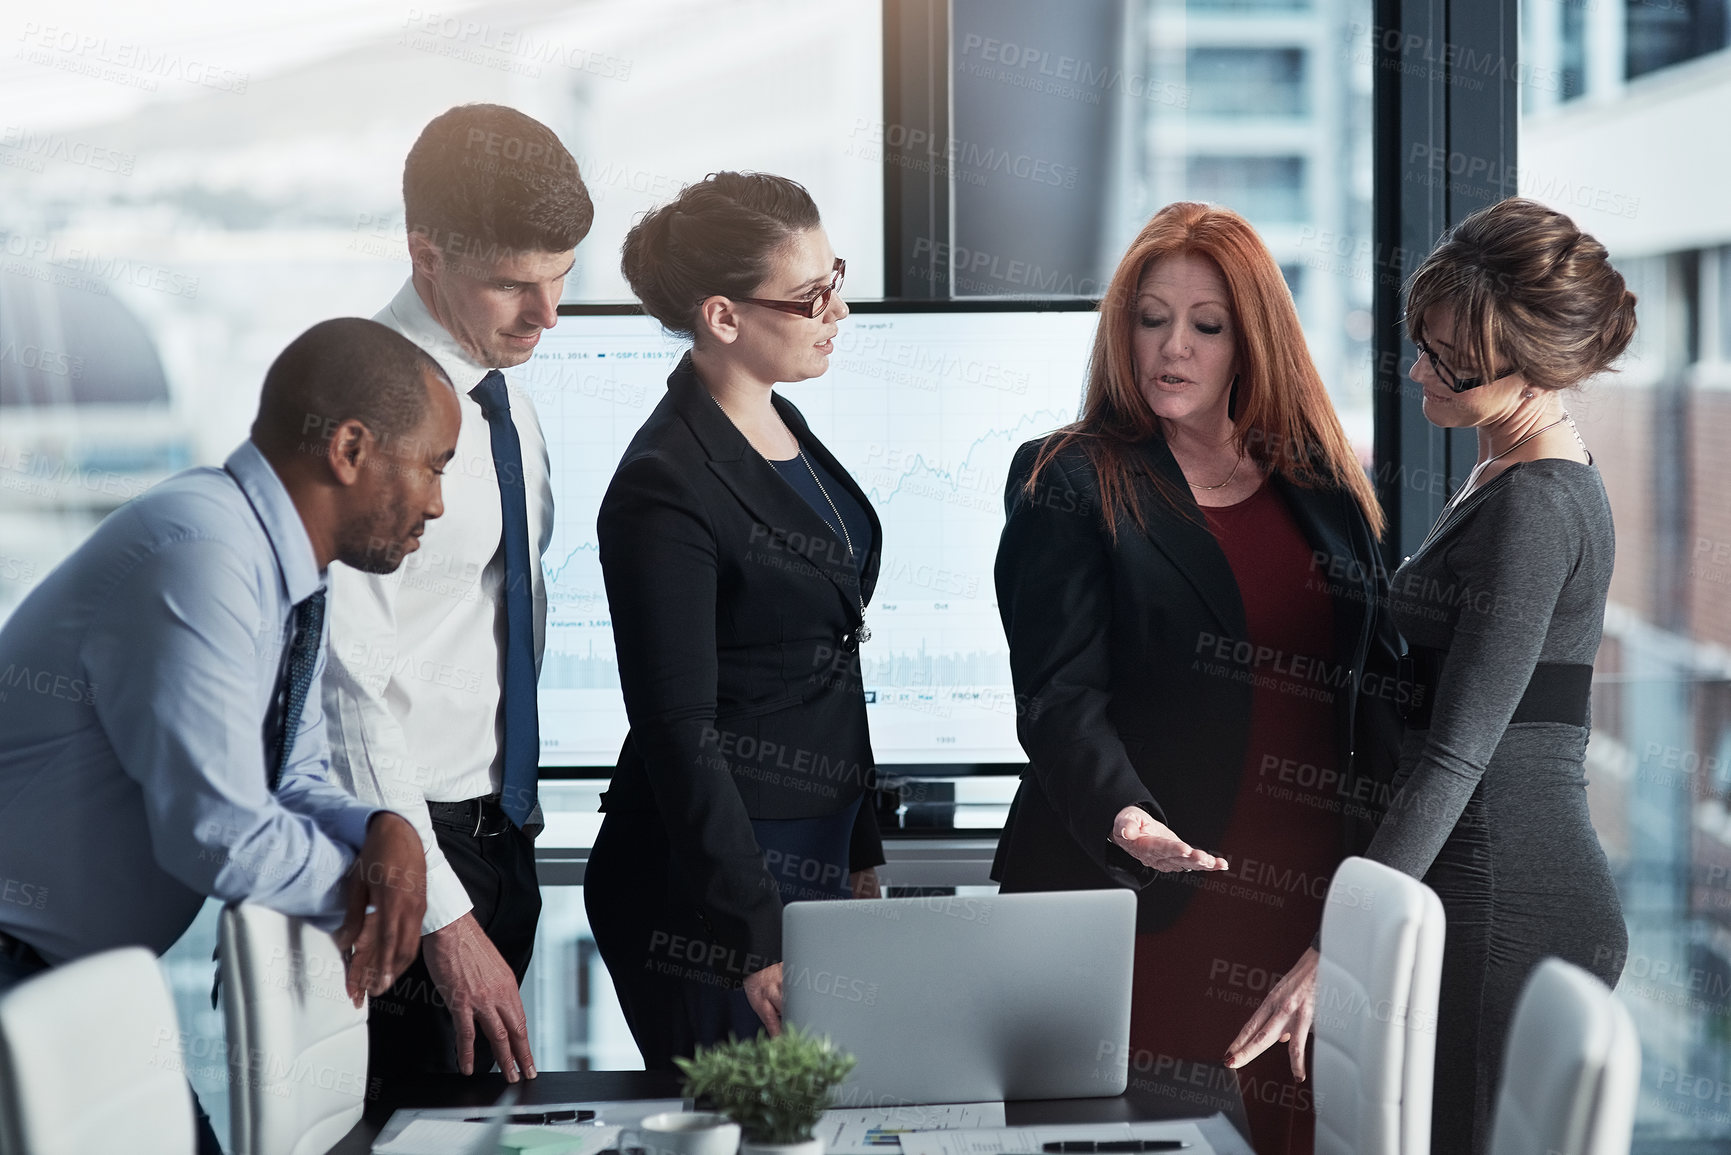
(682, 1133)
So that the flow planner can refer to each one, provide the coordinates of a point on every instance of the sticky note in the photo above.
(541, 1141)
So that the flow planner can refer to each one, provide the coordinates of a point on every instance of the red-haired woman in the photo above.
(1190, 585)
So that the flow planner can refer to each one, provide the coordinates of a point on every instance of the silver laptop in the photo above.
(957, 999)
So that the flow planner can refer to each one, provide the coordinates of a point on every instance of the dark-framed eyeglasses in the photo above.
(1456, 384)
(812, 306)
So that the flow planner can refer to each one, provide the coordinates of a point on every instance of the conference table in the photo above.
(1195, 1091)
(1156, 1091)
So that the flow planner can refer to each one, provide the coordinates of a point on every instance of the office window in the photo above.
(1246, 5)
(1669, 32)
(804, 83)
(182, 193)
(1261, 107)
(1572, 74)
(1716, 305)
(1269, 188)
(1248, 82)
(1617, 161)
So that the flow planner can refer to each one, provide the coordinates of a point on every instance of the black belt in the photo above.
(21, 952)
(1557, 691)
(480, 817)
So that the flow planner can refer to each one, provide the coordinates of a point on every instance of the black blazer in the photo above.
(735, 613)
(1108, 647)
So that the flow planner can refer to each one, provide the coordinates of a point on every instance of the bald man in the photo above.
(161, 734)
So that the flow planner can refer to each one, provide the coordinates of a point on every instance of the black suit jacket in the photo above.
(1122, 697)
(735, 613)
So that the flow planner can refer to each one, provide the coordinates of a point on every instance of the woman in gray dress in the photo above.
(1502, 607)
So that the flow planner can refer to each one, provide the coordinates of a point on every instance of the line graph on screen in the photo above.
(926, 411)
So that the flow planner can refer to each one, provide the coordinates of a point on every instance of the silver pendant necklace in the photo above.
(863, 633)
(1467, 489)
(1530, 436)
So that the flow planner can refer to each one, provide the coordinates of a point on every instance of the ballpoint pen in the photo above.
(542, 1117)
(1114, 1146)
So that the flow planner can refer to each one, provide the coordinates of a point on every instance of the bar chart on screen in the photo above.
(925, 409)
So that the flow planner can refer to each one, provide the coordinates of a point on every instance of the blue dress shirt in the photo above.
(134, 683)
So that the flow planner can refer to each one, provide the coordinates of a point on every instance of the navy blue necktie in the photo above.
(522, 723)
(297, 680)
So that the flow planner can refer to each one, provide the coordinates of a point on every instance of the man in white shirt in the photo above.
(430, 690)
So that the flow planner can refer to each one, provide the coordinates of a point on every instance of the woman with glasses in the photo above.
(1190, 585)
(739, 558)
(1502, 607)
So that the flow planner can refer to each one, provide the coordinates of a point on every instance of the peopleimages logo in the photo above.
(1440, 167)
(970, 160)
(46, 360)
(504, 49)
(1071, 77)
(38, 147)
(121, 61)
(89, 270)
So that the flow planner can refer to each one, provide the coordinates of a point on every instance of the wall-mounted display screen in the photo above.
(925, 406)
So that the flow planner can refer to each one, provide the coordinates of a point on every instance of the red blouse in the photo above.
(1199, 980)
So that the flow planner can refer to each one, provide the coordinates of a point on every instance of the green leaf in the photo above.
(775, 1089)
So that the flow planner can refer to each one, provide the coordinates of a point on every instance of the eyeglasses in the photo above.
(812, 306)
(1456, 384)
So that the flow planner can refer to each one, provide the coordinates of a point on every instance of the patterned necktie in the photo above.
(297, 680)
(522, 722)
(284, 717)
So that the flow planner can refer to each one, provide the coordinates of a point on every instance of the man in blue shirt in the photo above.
(161, 734)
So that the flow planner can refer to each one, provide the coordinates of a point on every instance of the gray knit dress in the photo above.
(1492, 814)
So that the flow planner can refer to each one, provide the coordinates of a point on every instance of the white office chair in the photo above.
(297, 1048)
(1376, 996)
(1570, 1068)
(90, 1060)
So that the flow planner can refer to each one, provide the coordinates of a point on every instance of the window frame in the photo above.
(1429, 106)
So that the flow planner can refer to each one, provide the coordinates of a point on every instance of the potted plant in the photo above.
(775, 1089)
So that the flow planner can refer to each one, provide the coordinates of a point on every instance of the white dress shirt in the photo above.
(412, 691)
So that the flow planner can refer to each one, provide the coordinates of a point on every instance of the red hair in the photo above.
(1285, 420)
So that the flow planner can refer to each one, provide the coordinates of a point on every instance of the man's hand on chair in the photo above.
(389, 876)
